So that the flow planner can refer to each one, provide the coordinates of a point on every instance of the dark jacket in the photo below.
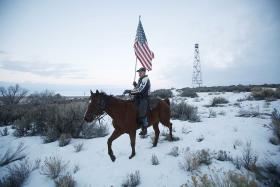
(142, 89)
(141, 93)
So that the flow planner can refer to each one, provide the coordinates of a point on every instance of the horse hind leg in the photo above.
(169, 125)
(132, 136)
(114, 136)
(156, 129)
(170, 131)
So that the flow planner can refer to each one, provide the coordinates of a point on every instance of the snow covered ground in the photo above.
(223, 132)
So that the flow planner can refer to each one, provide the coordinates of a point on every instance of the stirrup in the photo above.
(143, 132)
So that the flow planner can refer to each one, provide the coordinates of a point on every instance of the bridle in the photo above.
(101, 106)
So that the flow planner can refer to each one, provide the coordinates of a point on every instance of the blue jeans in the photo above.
(145, 122)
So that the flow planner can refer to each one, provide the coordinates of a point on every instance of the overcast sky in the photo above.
(70, 46)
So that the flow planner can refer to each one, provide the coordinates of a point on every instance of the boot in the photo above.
(143, 132)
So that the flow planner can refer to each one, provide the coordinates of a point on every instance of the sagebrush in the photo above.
(53, 167)
(184, 111)
(132, 179)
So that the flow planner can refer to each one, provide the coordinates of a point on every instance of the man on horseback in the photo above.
(141, 93)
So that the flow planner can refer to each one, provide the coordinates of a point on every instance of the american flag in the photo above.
(142, 51)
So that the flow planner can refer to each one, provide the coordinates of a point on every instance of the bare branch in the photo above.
(10, 156)
(12, 95)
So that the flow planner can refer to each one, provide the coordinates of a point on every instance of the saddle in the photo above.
(153, 102)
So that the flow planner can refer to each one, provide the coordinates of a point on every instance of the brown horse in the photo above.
(124, 115)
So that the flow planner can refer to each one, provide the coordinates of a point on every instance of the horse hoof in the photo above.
(131, 156)
(154, 145)
(113, 158)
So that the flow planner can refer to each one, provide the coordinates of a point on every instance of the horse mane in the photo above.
(118, 98)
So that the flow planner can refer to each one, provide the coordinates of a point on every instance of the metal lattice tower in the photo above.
(197, 74)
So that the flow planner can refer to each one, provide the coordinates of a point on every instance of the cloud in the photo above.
(58, 70)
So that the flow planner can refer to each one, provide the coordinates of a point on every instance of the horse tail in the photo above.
(167, 101)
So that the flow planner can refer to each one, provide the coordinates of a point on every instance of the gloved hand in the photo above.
(127, 92)
(134, 84)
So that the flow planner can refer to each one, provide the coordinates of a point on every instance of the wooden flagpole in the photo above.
(135, 69)
(136, 59)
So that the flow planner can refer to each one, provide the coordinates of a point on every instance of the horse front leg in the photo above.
(132, 136)
(114, 136)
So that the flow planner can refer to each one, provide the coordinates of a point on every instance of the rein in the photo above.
(100, 117)
(101, 107)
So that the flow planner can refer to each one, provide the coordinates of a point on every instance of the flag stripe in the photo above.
(148, 51)
(139, 53)
(143, 57)
(142, 60)
(144, 53)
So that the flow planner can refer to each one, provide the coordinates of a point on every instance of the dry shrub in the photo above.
(218, 100)
(50, 134)
(65, 181)
(265, 94)
(11, 156)
(174, 151)
(223, 156)
(249, 157)
(241, 180)
(228, 179)
(67, 118)
(51, 120)
(64, 139)
(17, 174)
(275, 123)
(204, 157)
(248, 113)
(237, 162)
(270, 174)
(53, 167)
(25, 126)
(78, 147)
(94, 130)
(64, 118)
(154, 160)
(132, 180)
(212, 113)
(10, 113)
(45, 97)
(4, 132)
(183, 111)
(162, 93)
(191, 161)
(188, 92)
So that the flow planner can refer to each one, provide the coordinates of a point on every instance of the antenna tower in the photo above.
(197, 77)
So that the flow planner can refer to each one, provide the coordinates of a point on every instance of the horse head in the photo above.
(96, 106)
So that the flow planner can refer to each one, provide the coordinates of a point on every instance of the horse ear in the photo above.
(97, 91)
(91, 93)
